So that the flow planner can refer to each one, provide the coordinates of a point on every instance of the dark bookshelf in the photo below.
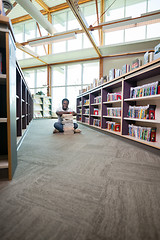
(11, 81)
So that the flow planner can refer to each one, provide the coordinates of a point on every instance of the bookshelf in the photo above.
(119, 123)
(42, 106)
(10, 101)
(24, 105)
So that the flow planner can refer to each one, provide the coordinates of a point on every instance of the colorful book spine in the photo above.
(143, 133)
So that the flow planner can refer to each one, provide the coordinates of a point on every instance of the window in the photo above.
(72, 93)
(114, 37)
(133, 34)
(153, 30)
(74, 74)
(30, 79)
(153, 5)
(90, 71)
(58, 76)
(114, 10)
(58, 93)
(67, 80)
(41, 77)
(134, 8)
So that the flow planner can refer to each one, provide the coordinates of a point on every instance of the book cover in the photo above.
(111, 74)
(157, 49)
(136, 63)
(146, 57)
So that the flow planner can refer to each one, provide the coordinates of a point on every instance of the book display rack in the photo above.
(128, 106)
(15, 101)
(42, 106)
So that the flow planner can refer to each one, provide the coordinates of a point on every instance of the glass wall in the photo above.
(68, 79)
(65, 20)
(130, 8)
(36, 79)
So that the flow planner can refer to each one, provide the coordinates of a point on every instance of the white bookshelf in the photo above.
(42, 106)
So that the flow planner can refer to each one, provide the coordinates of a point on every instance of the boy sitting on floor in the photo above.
(64, 110)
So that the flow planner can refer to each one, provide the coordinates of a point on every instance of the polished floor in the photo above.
(88, 186)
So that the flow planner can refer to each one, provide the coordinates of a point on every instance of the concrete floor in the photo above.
(88, 186)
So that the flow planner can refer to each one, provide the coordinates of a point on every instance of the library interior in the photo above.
(80, 119)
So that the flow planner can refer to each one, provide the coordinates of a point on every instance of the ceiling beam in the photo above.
(41, 36)
(76, 11)
(28, 51)
(9, 10)
(101, 21)
(43, 5)
(91, 28)
(44, 12)
(98, 20)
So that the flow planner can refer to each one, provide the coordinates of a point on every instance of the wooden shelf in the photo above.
(3, 76)
(3, 161)
(95, 104)
(112, 117)
(17, 96)
(23, 116)
(111, 131)
(84, 123)
(86, 105)
(79, 106)
(92, 115)
(3, 120)
(117, 101)
(152, 97)
(17, 118)
(151, 144)
(85, 114)
(141, 120)
(96, 127)
(23, 100)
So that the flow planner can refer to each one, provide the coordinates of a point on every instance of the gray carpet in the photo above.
(88, 186)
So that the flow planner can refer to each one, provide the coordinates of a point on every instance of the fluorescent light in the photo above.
(120, 24)
(55, 38)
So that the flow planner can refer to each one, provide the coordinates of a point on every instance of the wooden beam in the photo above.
(83, 24)
(49, 80)
(101, 68)
(44, 12)
(41, 36)
(98, 21)
(8, 11)
(101, 21)
(49, 45)
(43, 5)
(29, 52)
(87, 59)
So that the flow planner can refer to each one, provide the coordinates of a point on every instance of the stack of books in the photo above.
(67, 122)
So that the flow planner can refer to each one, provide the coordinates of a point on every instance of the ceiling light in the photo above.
(124, 23)
(53, 39)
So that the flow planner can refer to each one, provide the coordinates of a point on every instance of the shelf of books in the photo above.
(127, 106)
(24, 104)
(10, 100)
(42, 106)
